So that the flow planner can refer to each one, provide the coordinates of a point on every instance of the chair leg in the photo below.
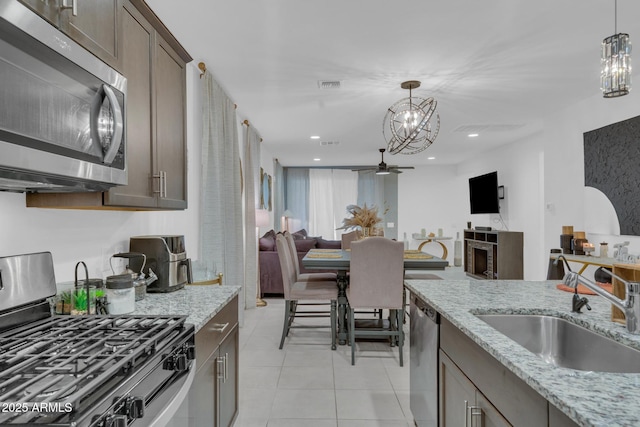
(352, 335)
(334, 319)
(289, 314)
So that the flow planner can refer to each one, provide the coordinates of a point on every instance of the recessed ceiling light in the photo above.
(315, 137)
(472, 135)
(317, 159)
(431, 158)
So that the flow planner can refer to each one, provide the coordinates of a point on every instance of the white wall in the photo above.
(438, 197)
(564, 169)
(93, 236)
(544, 180)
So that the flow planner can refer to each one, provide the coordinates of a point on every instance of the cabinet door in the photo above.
(228, 383)
(137, 65)
(96, 26)
(47, 9)
(490, 415)
(170, 84)
(202, 395)
(455, 390)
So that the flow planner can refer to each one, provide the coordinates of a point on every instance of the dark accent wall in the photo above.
(612, 165)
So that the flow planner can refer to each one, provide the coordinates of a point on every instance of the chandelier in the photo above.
(411, 124)
(615, 63)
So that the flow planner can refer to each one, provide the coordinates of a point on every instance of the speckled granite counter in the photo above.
(199, 303)
(589, 398)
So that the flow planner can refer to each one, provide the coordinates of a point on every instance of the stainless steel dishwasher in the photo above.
(423, 368)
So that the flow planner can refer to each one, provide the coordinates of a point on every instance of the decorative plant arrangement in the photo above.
(80, 300)
(63, 302)
(363, 217)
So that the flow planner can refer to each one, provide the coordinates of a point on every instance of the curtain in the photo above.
(251, 147)
(345, 192)
(297, 198)
(221, 227)
(371, 190)
(278, 193)
(321, 220)
(330, 192)
(381, 191)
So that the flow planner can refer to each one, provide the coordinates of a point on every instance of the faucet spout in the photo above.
(630, 305)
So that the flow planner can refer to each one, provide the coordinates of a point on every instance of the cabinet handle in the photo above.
(164, 184)
(470, 412)
(219, 327)
(220, 362)
(226, 370)
(73, 7)
(159, 178)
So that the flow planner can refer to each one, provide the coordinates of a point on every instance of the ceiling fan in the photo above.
(382, 168)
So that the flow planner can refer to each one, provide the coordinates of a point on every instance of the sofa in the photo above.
(269, 264)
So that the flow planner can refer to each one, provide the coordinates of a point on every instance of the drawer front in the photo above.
(209, 337)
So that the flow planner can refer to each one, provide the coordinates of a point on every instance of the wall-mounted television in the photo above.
(483, 194)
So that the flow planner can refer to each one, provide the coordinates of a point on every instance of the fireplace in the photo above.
(481, 260)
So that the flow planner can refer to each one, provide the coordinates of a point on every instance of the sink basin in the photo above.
(565, 344)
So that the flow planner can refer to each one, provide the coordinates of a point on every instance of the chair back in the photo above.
(293, 252)
(347, 238)
(286, 266)
(376, 273)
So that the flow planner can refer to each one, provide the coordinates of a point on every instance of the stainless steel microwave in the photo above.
(62, 110)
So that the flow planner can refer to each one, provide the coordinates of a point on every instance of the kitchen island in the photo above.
(587, 398)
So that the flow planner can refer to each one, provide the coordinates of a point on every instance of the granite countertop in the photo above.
(589, 398)
(198, 303)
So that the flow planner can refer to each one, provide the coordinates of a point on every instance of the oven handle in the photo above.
(110, 155)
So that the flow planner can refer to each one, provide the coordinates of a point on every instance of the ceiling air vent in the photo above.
(329, 143)
(329, 84)
(488, 128)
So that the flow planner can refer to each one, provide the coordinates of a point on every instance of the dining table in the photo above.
(339, 260)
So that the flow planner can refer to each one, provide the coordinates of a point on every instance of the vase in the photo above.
(366, 232)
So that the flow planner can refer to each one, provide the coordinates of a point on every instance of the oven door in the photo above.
(153, 395)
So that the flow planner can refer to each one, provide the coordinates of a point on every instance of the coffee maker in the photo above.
(167, 257)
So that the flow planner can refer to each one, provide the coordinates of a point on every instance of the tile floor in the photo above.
(308, 384)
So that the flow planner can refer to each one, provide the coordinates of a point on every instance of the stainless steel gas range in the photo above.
(98, 371)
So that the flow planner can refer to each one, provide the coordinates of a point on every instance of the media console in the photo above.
(493, 255)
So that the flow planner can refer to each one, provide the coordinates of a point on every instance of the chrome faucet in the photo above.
(630, 305)
(577, 302)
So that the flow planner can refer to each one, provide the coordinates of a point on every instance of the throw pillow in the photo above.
(328, 244)
(300, 234)
(305, 245)
(267, 243)
(271, 233)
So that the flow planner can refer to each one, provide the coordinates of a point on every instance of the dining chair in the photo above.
(376, 282)
(295, 291)
(304, 277)
(347, 238)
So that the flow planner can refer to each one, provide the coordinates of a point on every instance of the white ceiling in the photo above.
(498, 65)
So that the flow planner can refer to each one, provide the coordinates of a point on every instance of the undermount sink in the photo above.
(565, 344)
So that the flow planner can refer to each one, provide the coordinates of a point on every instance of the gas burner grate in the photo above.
(67, 357)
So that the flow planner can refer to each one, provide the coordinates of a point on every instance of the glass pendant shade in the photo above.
(615, 74)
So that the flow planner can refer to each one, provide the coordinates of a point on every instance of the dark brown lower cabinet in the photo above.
(478, 391)
(212, 400)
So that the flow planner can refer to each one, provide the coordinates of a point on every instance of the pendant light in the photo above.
(411, 124)
(615, 62)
